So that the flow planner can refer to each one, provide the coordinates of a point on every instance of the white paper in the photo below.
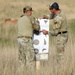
(41, 41)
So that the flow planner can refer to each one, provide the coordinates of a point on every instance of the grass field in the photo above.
(8, 37)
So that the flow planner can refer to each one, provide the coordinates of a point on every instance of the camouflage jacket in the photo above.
(58, 23)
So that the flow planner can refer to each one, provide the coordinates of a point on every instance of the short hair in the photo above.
(54, 5)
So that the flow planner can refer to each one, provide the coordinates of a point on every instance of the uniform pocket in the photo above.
(25, 40)
(61, 39)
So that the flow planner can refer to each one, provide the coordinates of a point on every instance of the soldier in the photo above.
(58, 22)
(26, 25)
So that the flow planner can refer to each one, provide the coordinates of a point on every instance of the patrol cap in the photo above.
(26, 8)
(54, 5)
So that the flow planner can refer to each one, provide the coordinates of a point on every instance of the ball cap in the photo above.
(54, 5)
(26, 8)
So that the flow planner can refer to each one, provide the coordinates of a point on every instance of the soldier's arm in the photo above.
(56, 25)
(35, 24)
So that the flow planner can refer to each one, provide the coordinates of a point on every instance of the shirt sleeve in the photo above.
(57, 22)
(35, 23)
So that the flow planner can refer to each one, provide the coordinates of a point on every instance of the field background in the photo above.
(8, 37)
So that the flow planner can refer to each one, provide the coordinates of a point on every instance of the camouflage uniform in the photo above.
(58, 28)
(26, 25)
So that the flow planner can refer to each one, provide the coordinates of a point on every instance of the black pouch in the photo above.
(36, 32)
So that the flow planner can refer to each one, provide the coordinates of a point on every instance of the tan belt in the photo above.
(24, 36)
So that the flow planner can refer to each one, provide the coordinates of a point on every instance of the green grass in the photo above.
(8, 35)
(72, 26)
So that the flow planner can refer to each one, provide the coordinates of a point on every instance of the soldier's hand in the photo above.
(44, 32)
(44, 17)
(41, 17)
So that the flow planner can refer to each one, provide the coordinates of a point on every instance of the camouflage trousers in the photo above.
(26, 53)
(61, 41)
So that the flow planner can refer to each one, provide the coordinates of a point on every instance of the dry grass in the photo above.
(8, 38)
(13, 9)
(9, 61)
(9, 55)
